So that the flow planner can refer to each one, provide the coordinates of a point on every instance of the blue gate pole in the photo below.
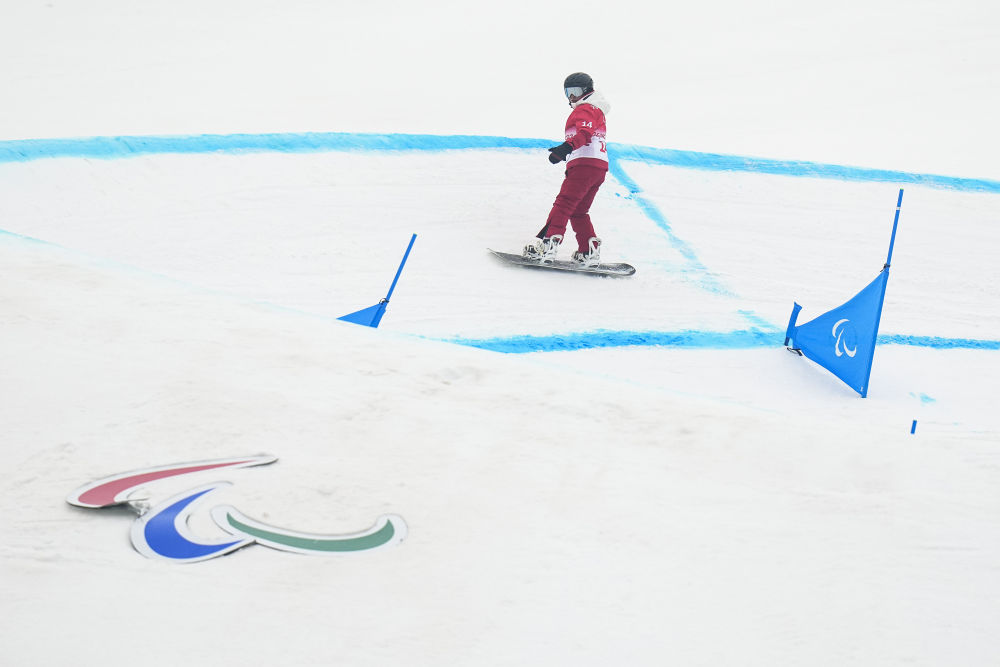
(881, 298)
(385, 302)
(895, 223)
(371, 316)
(407, 254)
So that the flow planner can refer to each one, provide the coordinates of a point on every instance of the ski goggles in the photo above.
(575, 91)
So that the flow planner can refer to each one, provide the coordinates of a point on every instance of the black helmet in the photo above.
(578, 84)
(579, 80)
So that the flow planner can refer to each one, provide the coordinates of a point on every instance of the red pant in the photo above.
(573, 204)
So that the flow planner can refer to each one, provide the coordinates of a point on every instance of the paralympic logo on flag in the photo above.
(847, 338)
(162, 530)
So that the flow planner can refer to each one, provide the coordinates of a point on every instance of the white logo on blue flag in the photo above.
(847, 338)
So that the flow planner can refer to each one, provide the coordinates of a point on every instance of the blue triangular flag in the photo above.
(843, 339)
(369, 317)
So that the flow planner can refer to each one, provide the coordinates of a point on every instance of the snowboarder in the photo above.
(586, 156)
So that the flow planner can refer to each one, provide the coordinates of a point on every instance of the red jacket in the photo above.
(586, 132)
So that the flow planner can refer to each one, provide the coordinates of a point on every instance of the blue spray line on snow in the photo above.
(798, 168)
(938, 343)
(702, 340)
(112, 148)
(705, 279)
(23, 150)
(732, 340)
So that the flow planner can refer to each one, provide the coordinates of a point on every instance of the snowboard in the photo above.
(617, 269)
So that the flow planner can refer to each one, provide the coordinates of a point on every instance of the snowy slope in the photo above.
(698, 496)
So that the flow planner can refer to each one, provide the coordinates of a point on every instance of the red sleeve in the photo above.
(581, 124)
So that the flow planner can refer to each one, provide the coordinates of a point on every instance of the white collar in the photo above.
(594, 99)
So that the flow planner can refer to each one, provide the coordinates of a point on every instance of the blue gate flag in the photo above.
(371, 316)
(843, 339)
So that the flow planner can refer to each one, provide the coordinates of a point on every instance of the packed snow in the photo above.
(644, 477)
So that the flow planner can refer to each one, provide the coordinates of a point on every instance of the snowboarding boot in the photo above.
(593, 255)
(543, 250)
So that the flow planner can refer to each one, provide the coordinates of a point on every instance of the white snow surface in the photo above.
(640, 505)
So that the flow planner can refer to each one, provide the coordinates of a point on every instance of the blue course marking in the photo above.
(924, 398)
(758, 321)
(719, 162)
(939, 343)
(21, 237)
(583, 341)
(111, 148)
(705, 280)
(23, 150)
(650, 209)
(705, 340)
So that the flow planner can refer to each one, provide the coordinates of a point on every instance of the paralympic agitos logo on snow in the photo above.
(161, 530)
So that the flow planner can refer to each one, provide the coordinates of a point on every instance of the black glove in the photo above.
(558, 153)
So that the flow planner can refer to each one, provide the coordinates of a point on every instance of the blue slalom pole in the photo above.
(414, 238)
(895, 223)
(881, 298)
(371, 316)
